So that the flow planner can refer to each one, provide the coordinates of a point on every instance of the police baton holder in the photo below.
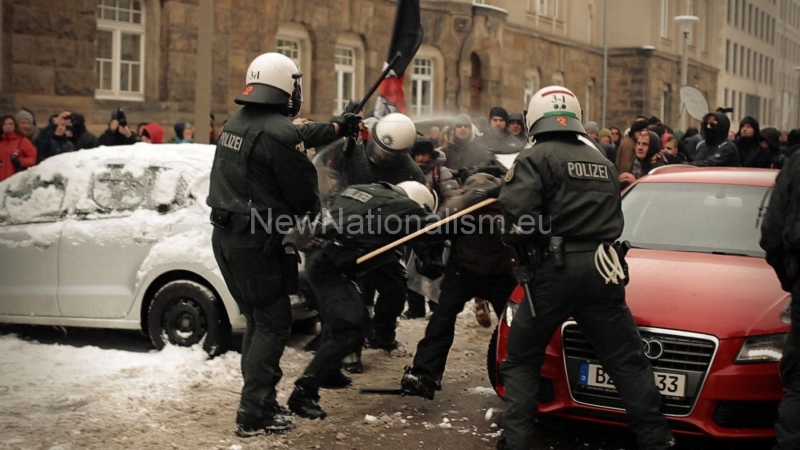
(355, 108)
(430, 227)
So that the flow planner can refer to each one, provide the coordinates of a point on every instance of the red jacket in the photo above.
(15, 144)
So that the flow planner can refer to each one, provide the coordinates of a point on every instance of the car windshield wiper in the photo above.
(715, 252)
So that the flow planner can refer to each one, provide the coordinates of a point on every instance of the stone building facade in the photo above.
(473, 57)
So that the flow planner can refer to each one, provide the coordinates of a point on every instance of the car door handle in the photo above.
(43, 244)
(145, 239)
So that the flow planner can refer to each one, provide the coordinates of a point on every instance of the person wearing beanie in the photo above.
(16, 151)
(716, 150)
(593, 131)
(118, 131)
(462, 150)
(152, 133)
(769, 154)
(627, 149)
(516, 126)
(497, 138)
(183, 133)
(747, 142)
(605, 135)
(648, 157)
(81, 137)
(26, 124)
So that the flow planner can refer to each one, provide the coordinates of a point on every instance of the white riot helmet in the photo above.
(273, 79)
(554, 108)
(419, 193)
(392, 138)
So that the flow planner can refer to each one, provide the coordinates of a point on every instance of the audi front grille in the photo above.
(673, 354)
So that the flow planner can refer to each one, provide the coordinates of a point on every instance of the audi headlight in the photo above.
(511, 311)
(762, 349)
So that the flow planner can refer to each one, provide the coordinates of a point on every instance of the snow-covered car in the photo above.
(117, 237)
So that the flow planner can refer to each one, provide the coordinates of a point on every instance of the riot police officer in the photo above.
(780, 238)
(361, 218)
(258, 170)
(562, 208)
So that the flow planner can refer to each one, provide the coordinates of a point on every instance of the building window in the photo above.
(531, 86)
(422, 86)
(735, 58)
(665, 18)
(541, 8)
(727, 54)
(291, 49)
(664, 107)
(345, 67)
(119, 50)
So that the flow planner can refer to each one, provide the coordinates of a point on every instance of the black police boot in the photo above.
(418, 384)
(274, 419)
(501, 443)
(336, 380)
(304, 400)
(352, 363)
(388, 345)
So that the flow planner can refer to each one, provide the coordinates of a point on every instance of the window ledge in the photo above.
(105, 95)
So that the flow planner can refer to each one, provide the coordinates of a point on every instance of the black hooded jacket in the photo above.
(748, 147)
(716, 150)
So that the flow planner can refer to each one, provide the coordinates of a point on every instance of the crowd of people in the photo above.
(23, 143)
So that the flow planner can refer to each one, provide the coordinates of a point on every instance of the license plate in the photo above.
(669, 384)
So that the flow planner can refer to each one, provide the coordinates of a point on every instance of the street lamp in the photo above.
(685, 22)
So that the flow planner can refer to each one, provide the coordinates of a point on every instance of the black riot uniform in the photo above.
(260, 175)
(780, 238)
(388, 280)
(562, 188)
(361, 218)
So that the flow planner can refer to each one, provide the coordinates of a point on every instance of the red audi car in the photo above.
(707, 305)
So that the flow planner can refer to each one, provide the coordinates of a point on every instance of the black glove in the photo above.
(15, 162)
(349, 124)
(495, 171)
(429, 261)
(464, 173)
(494, 192)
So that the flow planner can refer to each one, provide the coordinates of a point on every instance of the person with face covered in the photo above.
(769, 151)
(747, 142)
(716, 150)
(648, 157)
(81, 137)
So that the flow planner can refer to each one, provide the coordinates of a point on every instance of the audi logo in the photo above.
(653, 349)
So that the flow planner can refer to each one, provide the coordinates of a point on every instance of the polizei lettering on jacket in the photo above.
(587, 171)
(230, 141)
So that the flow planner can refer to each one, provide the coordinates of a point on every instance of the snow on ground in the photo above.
(63, 397)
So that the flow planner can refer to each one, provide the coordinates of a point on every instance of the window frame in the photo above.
(665, 19)
(340, 102)
(117, 29)
(417, 82)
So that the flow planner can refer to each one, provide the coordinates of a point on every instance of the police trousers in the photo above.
(342, 309)
(254, 281)
(787, 430)
(578, 290)
(459, 285)
(390, 281)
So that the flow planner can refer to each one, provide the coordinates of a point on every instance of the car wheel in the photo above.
(491, 359)
(185, 313)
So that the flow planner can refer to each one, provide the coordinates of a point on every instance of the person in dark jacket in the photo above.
(462, 150)
(118, 131)
(780, 239)
(769, 154)
(497, 138)
(54, 139)
(81, 137)
(258, 171)
(747, 142)
(691, 140)
(792, 143)
(516, 126)
(716, 150)
(479, 266)
(648, 157)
